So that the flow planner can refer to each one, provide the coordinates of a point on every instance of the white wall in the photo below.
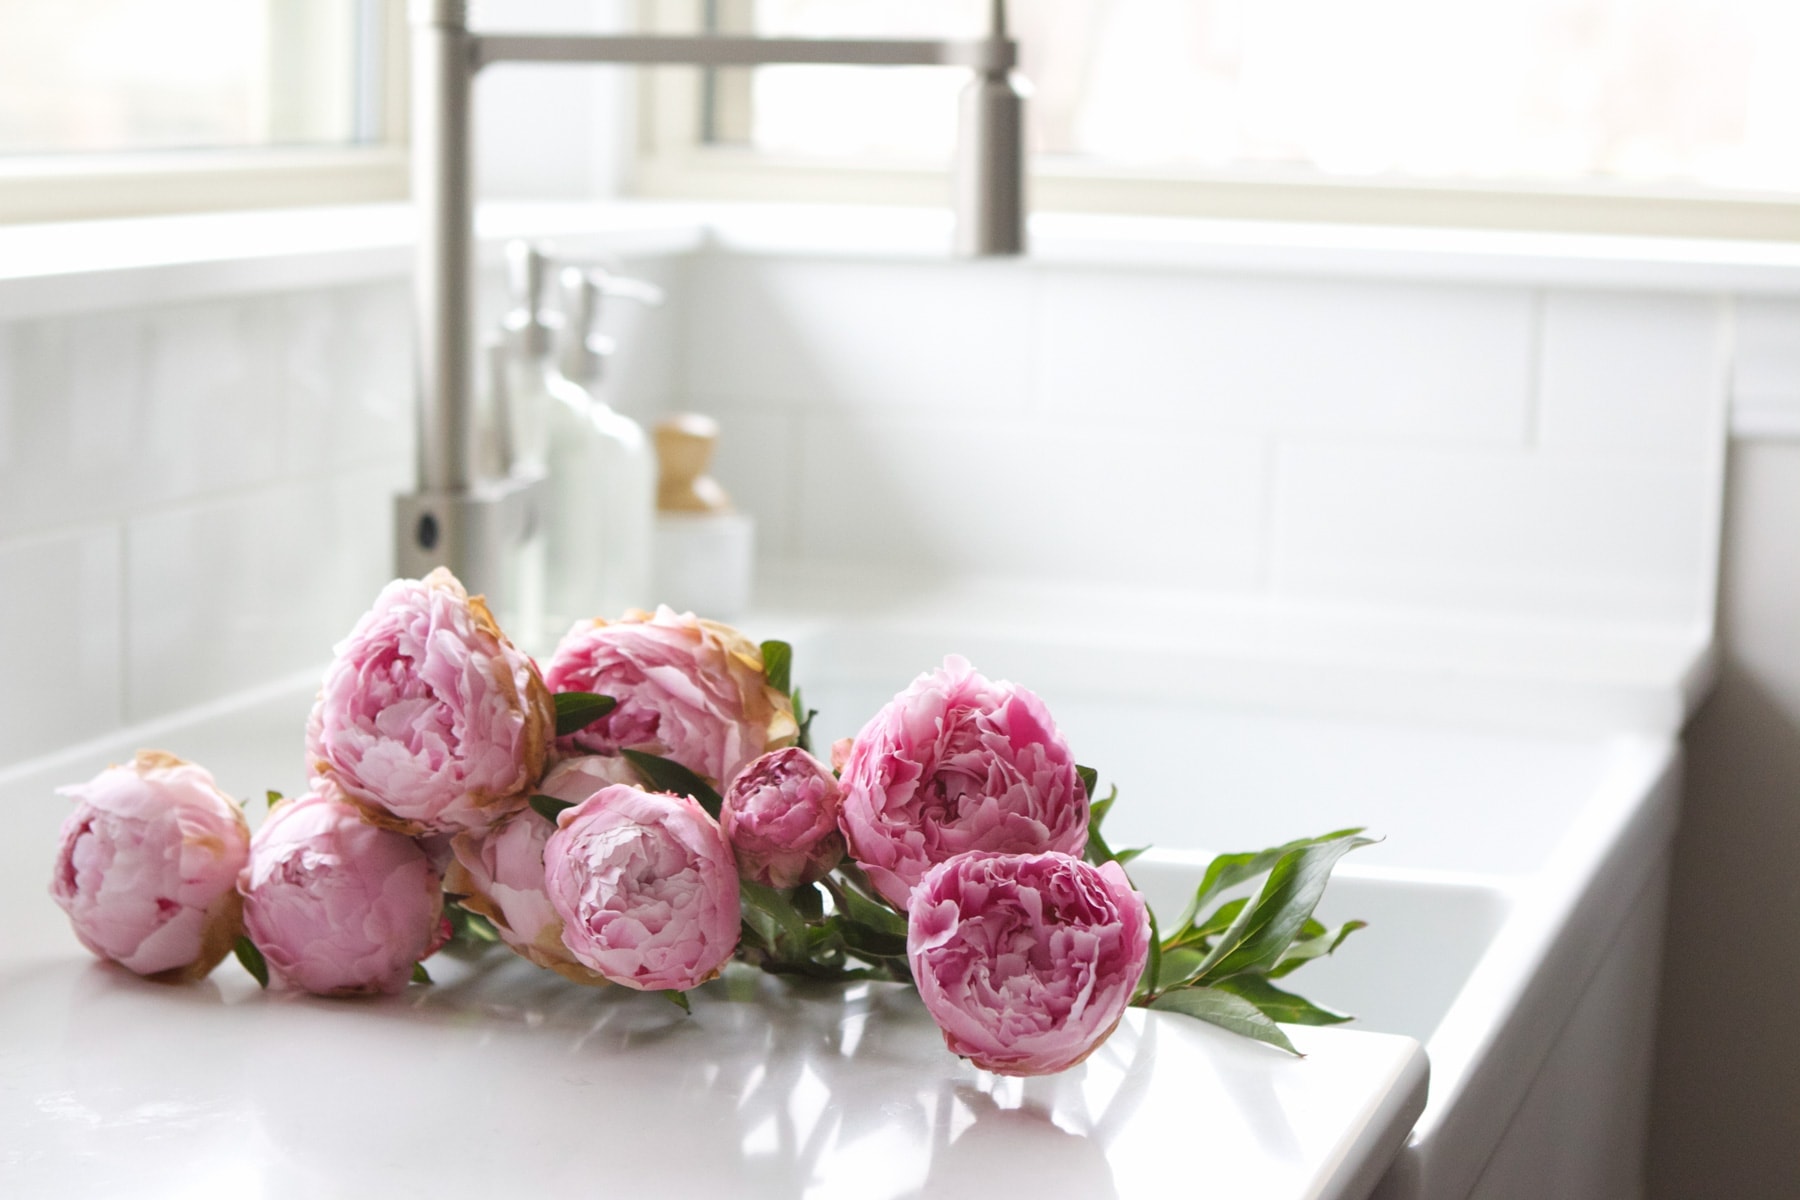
(1466, 449)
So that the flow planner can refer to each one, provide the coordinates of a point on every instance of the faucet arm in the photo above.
(993, 54)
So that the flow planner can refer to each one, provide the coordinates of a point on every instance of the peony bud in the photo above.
(338, 906)
(429, 720)
(148, 866)
(646, 888)
(1026, 961)
(956, 763)
(499, 872)
(781, 817)
(689, 690)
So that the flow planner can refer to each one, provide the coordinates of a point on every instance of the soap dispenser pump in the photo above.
(601, 511)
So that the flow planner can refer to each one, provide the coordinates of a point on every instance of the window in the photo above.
(1636, 115)
(112, 106)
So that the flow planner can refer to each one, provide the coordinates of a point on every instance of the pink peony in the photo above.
(646, 888)
(957, 763)
(579, 776)
(1026, 961)
(687, 689)
(338, 906)
(147, 867)
(499, 872)
(781, 817)
(429, 720)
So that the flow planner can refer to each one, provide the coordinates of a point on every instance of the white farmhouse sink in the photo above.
(1515, 904)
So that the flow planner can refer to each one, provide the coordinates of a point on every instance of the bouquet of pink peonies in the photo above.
(646, 811)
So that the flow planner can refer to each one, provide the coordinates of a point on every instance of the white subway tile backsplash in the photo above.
(68, 388)
(849, 335)
(231, 593)
(1493, 532)
(208, 414)
(1635, 376)
(60, 623)
(1408, 362)
(346, 381)
(1061, 501)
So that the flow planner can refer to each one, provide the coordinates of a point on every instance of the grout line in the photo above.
(1534, 376)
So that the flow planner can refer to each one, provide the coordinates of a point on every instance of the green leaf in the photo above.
(803, 716)
(549, 807)
(1278, 1005)
(1227, 1012)
(679, 1000)
(1217, 923)
(778, 665)
(575, 711)
(756, 899)
(808, 901)
(252, 958)
(1090, 783)
(420, 975)
(1178, 966)
(1306, 949)
(864, 942)
(1228, 870)
(1265, 927)
(667, 775)
(273, 798)
(855, 902)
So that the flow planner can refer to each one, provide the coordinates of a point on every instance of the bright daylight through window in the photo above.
(143, 94)
(1679, 97)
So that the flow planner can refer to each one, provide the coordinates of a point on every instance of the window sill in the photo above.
(49, 269)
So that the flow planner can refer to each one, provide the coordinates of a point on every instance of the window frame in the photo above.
(38, 188)
(673, 163)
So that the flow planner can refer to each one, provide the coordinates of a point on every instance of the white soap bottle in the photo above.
(602, 505)
(522, 386)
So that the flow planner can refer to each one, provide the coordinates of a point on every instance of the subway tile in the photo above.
(208, 415)
(60, 620)
(850, 335)
(70, 443)
(1080, 502)
(232, 593)
(346, 382)
(1633, 376)
(1493, 532)
(1288, 356)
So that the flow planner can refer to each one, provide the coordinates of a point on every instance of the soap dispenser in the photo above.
(705, 549)
(602, 471)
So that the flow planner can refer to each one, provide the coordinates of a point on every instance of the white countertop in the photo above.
(505, 1080)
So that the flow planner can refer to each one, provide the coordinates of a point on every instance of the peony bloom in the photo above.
(1026, 961)
(338, 906)
(687, 689)
(148, 866)
(429, 720)
(781, 817)
(581, 775)
(646, 888)
(499, 872)
(957, 763)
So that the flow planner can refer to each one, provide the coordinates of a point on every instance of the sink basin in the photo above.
(1515, 903)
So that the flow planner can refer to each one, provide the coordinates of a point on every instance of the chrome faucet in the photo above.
(461, 520)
